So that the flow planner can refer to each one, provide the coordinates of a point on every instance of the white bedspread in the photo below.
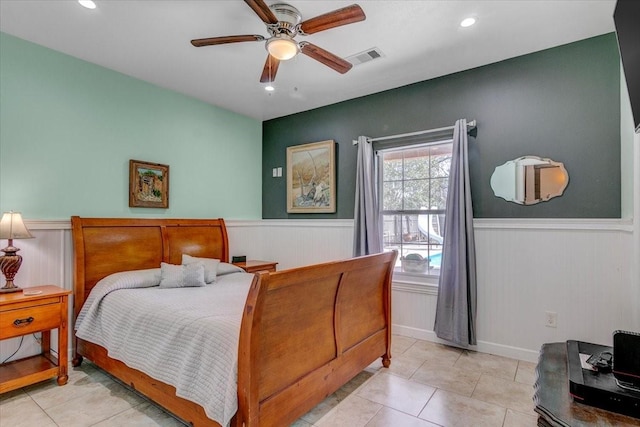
(185, 337)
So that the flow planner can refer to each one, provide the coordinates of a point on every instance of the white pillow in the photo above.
(210, 266)
(225, 268)
(181, 276)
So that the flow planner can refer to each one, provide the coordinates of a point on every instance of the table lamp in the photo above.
(11, 227)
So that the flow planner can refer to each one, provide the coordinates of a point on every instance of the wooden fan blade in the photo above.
(344, 16)
(270, 69)
(226, 39)
(263, 11)
(327, 58)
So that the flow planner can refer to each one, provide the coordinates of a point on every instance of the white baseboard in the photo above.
(482, 347)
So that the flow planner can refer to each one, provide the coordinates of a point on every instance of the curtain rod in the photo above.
(470, 125)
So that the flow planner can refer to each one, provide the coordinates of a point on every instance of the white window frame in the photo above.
(399, 276)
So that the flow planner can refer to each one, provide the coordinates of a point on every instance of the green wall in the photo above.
(68, 129)
(562, 103)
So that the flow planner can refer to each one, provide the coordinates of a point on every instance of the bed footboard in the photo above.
(307, 331)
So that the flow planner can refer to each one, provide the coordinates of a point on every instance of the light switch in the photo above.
(275, 172)
(279, 171)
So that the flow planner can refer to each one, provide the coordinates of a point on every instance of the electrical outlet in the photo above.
(551, 319)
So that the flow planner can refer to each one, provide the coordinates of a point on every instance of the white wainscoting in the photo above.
(579, 269)
(292, 243)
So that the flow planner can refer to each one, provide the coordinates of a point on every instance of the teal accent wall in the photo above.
(68, 129)
(562, 103)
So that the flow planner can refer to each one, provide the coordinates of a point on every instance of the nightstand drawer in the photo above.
(14, 323)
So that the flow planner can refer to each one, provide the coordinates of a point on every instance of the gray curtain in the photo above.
(367, 230)
(456, 306)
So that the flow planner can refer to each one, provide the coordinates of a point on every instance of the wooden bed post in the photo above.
(78, 277)
(386, 358)
(248, 398)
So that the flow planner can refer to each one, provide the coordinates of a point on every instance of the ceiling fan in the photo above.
(284, 22)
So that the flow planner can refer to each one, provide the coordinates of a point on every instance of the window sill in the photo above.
(415, 283)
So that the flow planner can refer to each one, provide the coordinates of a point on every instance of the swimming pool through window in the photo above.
(413, 183)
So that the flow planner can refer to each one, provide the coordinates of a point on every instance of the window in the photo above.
(413, 193)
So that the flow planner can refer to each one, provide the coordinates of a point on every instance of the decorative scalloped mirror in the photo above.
(529, 180)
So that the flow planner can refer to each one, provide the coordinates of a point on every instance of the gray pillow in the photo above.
(210, 266)
(181, 276)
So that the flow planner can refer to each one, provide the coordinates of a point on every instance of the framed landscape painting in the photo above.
(311, 172)
(148, 185)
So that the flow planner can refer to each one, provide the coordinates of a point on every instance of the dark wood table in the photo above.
(554, 405)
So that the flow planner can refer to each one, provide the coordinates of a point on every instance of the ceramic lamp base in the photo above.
(9, 265)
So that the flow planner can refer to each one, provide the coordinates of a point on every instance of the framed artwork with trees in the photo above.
(311, 178)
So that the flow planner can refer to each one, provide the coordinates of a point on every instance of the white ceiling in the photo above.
(149, 40)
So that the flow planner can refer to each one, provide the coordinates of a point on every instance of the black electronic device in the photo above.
(242, 258)
(626, 359)
(601, 362)
(598, 388)
(626, 18)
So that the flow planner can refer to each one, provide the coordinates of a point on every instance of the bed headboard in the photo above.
(103, 246)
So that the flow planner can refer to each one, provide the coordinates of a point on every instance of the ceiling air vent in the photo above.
(366, 56)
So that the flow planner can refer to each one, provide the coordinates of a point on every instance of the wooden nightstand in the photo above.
(251, 266)
(22, 314)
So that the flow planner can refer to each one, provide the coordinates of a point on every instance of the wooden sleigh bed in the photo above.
(305, 332)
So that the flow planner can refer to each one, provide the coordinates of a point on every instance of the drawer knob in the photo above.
(23, 322)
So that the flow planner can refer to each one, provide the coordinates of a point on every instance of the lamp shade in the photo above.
(12, 227)
(282, 47)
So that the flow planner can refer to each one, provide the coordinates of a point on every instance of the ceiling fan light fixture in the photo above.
(282, 47)
(284, 23)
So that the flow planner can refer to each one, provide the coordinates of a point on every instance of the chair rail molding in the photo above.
(605, 224)
(626, 225)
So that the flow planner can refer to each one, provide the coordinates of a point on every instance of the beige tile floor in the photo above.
(427, 385)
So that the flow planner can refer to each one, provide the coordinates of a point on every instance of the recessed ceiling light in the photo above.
(89, 4)
(467, 22)
(269, 88)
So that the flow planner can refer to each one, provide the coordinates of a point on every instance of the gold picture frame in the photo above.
(311, 178)
(148, 185)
